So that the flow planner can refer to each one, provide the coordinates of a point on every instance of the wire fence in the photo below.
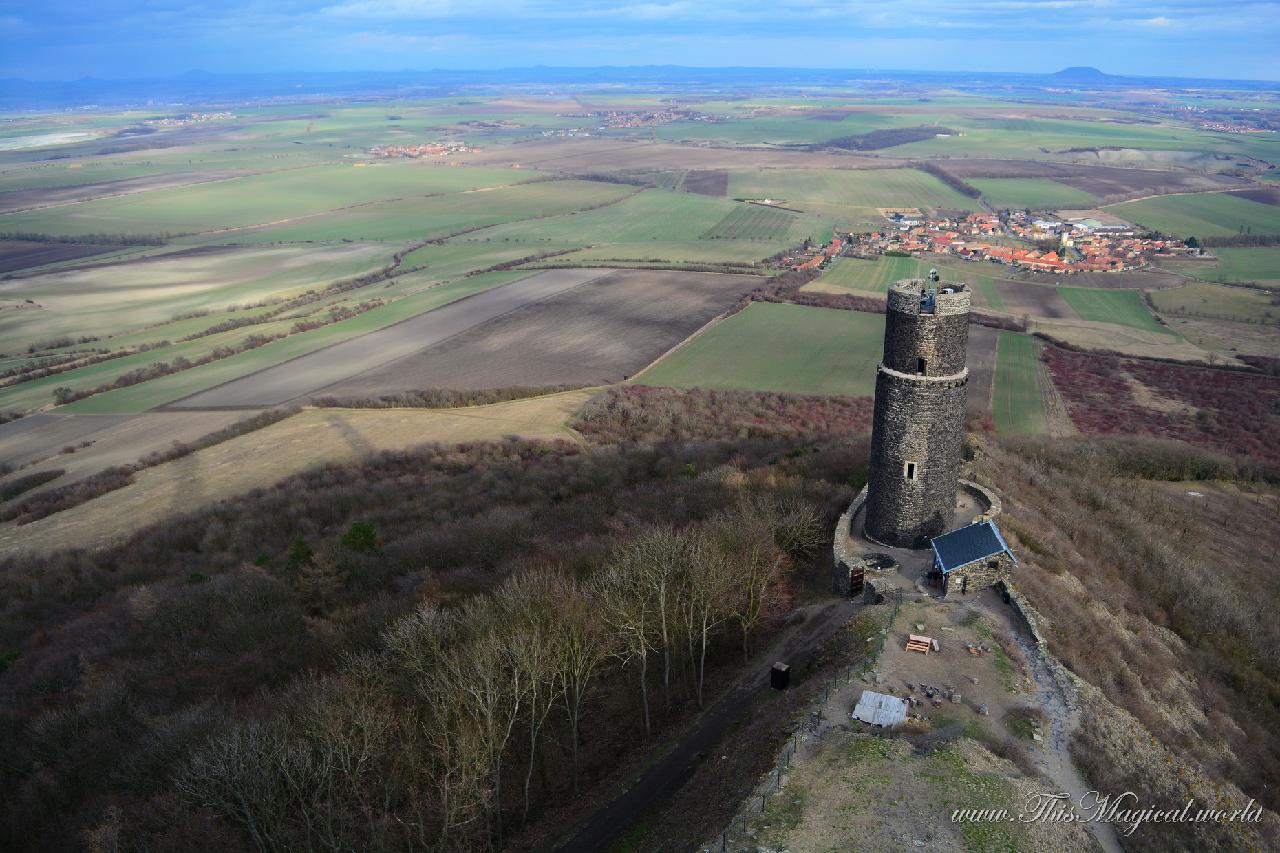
(758, 804)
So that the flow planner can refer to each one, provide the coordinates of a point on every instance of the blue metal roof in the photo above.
(963, 546)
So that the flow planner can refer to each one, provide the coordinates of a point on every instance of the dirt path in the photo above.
(671, 771)
(1054, 757)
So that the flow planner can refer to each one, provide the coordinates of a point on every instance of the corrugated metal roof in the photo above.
(967, 544)
(879, 709)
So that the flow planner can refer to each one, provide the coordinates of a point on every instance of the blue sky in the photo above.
(65, 39)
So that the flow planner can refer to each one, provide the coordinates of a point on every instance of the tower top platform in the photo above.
(923, 296)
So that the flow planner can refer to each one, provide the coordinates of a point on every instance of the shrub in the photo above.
(360, 537)
(18, 485)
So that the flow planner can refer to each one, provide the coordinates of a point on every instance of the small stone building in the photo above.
(971, 559)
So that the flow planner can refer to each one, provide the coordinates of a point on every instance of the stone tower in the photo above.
(917, 436)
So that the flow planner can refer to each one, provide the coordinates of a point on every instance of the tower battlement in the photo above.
(923, 296)
(917, 434)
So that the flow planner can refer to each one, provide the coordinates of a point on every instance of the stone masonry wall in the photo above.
(920, 421)
(980, 574)
(918, 418)
(941, 341)
(844, 553)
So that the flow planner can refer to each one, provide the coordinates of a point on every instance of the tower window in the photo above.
(920, 365)
(909, 470)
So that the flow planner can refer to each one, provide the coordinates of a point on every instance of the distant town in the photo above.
(424, 149)
(617, 119)
(1021, 239)
(187, 119)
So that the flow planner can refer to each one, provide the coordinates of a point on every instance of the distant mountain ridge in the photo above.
(1083, 74)
(197, 87)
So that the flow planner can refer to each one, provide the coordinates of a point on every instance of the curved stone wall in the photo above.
(989, 500)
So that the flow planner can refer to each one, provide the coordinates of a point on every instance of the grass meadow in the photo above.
(1202, 299)
(1033, 193)
(114, 299)
(779, 347)
(666, 252)
(1017, 402)
(166, 389)
(1201, 215)
(857, 274)
(752, 222)
(254, 199)
(845, 194)
(409, 220)
(1123, 307)
(1260, 265)
(874, 276)
(680, 222)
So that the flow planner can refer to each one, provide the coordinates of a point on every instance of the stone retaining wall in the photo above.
(1067, 681)
(984, 496)
(844, 551)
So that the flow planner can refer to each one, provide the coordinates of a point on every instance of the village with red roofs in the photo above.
(1038, 242)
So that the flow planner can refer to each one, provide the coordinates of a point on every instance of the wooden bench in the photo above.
(917, 643)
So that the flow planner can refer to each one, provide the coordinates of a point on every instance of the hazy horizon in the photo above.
(499, 69)
(63, 40)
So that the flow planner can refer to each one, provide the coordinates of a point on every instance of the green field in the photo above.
(410, 220)
(1052, 139)
(987, 286)
(777, 129)
(166, 389)
(1201, 215)
(294, 174)
(1260, 265)
(1032, 138)
(653, 216)
(779, 347)
(872, 276)
(1122, 307)
(859, 275)
(1017, 403)
(1201, 299)
(1034, 193)
(38, 393)
(110, 300)
(752, 222)
(255, 199)
(659, 252)
(848, 195)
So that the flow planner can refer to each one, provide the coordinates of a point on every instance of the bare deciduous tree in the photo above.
(584, 645)
(747, 540)
(659, 555)
(527, 604)
(493, 691)
(709, 584)
(629, 613)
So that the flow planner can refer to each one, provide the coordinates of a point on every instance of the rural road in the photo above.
(324, 367)
(668, 774)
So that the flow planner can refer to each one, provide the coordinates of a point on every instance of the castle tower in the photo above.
(917, 435)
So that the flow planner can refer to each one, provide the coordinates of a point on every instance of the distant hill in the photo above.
(1083, 74)
(213, 88)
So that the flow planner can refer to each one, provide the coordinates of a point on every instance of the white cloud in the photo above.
(385, 9)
